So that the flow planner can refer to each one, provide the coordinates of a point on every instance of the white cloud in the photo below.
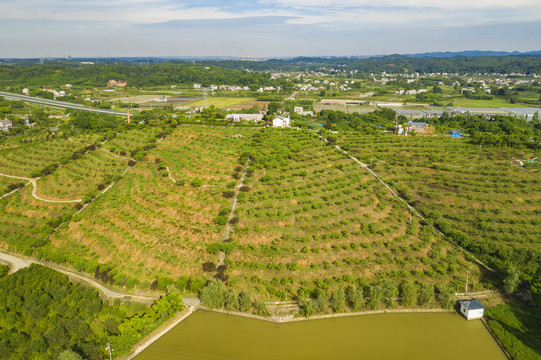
(339, 13)
(439, 4)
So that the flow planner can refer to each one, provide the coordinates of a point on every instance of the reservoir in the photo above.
(415, 336)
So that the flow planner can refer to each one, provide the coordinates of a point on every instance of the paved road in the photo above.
(59, 104)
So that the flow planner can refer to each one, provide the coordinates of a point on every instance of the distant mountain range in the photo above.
(472, 53)
(159, 59)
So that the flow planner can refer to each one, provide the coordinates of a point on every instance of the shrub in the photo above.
(228, 194)
(196, 182)
(209, 267)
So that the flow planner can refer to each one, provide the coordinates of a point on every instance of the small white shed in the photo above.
(471, 309)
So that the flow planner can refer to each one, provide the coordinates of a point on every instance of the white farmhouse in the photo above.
(5, 125)
(471, 309)
(280, 121)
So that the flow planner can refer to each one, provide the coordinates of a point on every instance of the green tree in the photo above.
(231, 299)
(69, 355)
(427, 296)
(409, 294)
(339, 300)
(390, 293)
(322, 301)
(355, 298)
(245, 301)
(375, 297)
(511, 281)
(213, 295)
(446, 296)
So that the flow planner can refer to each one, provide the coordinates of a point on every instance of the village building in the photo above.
(471, 309)
(280, 121)
(5, 125)
(247, 117)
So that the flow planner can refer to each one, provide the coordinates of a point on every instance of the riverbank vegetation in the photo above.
(517, 326)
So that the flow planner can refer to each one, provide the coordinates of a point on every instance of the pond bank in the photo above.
(286, 319)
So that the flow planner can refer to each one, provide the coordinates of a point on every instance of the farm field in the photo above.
(25, 221)
(149, 226)
(24, 159)
(463, 189)
(494, 103)
(221, 102)
(312, 217)
(133, 140)
(308, 216)
(88, 173)
(351, 108)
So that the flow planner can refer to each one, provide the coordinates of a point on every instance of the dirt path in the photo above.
(227, 230)
(18, 262)
(35, 188)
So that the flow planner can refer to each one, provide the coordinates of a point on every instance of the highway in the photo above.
(59, 104)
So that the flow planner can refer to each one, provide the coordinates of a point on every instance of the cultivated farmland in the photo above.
(473, 194)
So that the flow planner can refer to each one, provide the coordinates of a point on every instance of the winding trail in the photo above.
(411, 208)
(35, 188)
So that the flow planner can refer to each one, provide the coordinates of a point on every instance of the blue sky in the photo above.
(264, 28)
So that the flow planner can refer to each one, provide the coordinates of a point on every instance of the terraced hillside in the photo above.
(23, 160)
(473, 194)
(310, 216)
(148, 225)
(307, 217)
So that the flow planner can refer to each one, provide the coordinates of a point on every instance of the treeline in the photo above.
(45, 316)
(495, 131)
(362, 123)
(134, 75)
(398, 64)
(385, 295)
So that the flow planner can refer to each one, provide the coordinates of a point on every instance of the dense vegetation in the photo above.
(42, 315)
(400, 64)
(134, 75)
(517, 327)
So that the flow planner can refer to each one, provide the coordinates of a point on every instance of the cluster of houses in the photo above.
(213, 87)
(410, 92)
(56, 93)
(417, 127)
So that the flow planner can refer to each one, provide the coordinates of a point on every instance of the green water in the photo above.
(208, 335)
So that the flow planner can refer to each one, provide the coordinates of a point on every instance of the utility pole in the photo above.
(467, 278)
(110, 350)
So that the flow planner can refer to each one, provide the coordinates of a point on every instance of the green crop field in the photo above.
(148, 225)
(221, 102)
(25, 222)
(24, 159)
(463, 188)
(85, 174)
(312, 216)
